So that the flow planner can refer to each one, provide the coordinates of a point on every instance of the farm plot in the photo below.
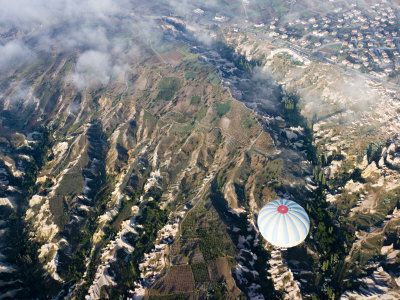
(178, 280)
(219, 270)
(200, 273)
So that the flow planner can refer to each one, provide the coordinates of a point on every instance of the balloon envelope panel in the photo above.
(283, 223)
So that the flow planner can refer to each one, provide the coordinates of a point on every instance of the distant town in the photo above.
(364, 39)
(361, 39)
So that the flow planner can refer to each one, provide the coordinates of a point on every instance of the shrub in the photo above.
(223, 108)
(195, 100)
(168, 87)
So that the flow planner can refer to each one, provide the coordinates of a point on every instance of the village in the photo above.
(367, 40)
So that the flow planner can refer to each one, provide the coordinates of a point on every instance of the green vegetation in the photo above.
(214, 79)
(204, 225)
(290, 109)
(200, 272)
(67, 67)
(168, 87)
(195, 100)
(126, 269)
(248, 123)
(223, 108)
(330, 241)
(212, 243)
(274, 169)
(201, 113)
(374, 152)
(77, 266)
(219, 292)
(240, 61)
(188, 55)
(190, 75)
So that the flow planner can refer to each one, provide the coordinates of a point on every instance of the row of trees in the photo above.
(328, 239)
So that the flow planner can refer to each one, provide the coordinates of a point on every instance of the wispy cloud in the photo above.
(13, 54)
(94, 69)
(75, 26)
(26, 14)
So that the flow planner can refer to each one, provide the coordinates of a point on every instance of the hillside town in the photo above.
(364, 39)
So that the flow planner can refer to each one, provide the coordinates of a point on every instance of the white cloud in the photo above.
(68, 26)
(14, 53)
(28, 13)
(93, 68)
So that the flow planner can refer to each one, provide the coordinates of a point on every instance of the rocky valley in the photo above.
(138, 147)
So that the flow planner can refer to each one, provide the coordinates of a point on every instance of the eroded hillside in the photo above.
(355, 125)
(146, 187)
(141, 175)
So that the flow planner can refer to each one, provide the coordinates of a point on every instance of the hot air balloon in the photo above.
(283, 223)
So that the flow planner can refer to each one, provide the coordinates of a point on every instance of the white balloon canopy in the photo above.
(283, 223)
